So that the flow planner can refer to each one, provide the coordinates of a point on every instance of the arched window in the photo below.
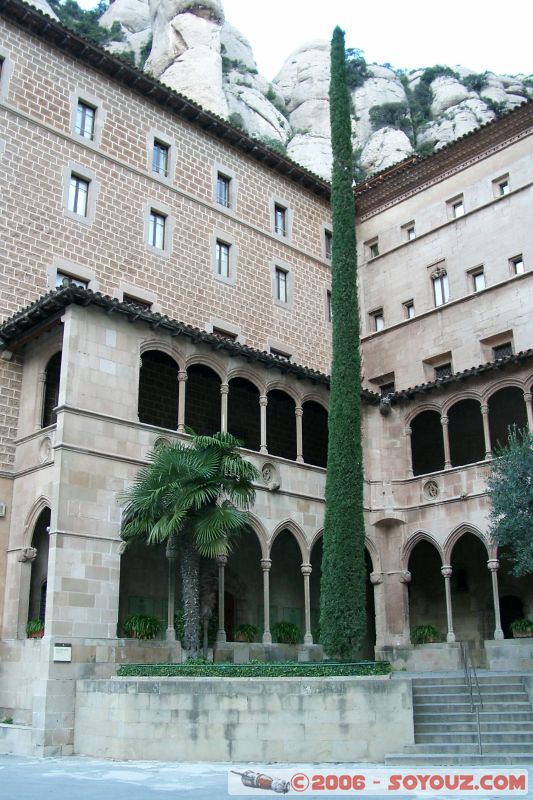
(281, 425)
(465, 430)
(507, 407)
(51, 390)
(315, 434)
(39, 567)
(244, 420)
(427, 443)
(202, 408)
(158, 390)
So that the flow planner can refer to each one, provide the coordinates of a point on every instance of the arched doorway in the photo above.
(427, 443)
(158, 390)
(244, 419)
(507, 408)
(281, 425)
(202, 406)
(39, 568)
(51, 390)
(315, 434)
(427, 600)
(471, 590)
(286, 582)
(243, 582)
(511, 608)
(143, 587)
(465, 431)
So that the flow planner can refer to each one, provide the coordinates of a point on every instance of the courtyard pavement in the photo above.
(77, 778)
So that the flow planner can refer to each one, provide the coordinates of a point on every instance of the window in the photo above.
(1, 66)
(503, 188)
(77, 195)
(478, 279)
(6, 66)
(377, 319)
(62, 280)
(409, 309)
(387, 388)
(280, 220)
(456, 207)
(281, 284)
(222, 334)
(222, 253)
(517, 265)
(328, 242)
(441, 291)
(443, 371)
(409, 232)
(502, 350)
(160, 160)
(156, 230)
(135, 301)
(280, 354)
(372, 248)
(500, 186)
(85, 119)
(223, 190)
(329, 315)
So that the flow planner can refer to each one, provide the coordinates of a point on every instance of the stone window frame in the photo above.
(406, 230)
(497, 184)
(438, 273)
(226, 238)
(406, 305)
(325, 232)
(72, 270)
(220, 168)
(228, 327)
(7, 72)
(156, 135)
(144, 295)
(79, 95)
(472, 274)
(154, 206)
(452, 206)
(382, 381)
(513, 263)
(374, 316)
(86, 174)
(429, 365)
(488, 343)
(281, 202)
(280, 346)
(328, 313)
(372, 248)
(275, 264)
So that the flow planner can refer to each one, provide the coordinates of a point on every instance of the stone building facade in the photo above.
(160, 270)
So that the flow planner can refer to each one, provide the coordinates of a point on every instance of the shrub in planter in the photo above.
(522, 628)
(35, 629)
(286, 633)
(246, 633)
(425, 634)
(141, 626)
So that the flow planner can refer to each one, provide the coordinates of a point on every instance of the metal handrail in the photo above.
(470, 670)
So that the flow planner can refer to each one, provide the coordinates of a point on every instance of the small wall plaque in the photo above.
(63, 652)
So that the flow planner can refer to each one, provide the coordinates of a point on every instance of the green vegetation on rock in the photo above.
(280, 669)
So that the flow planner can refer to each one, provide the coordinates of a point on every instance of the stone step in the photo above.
(436, 759)
(460, 680)
(487, 737)
(456, 705)
(517, 694)
(457, 717)
(467, 748)
(467, 726)
(489, 688)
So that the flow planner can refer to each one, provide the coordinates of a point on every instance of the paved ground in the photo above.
(88, 779)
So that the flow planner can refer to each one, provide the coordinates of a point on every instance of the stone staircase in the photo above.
(446, 729)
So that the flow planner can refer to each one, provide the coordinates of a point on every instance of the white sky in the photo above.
(479, 34)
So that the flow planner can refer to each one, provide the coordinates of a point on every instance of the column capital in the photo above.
(528, 396)
(444, 420)
(408, 430)
(182, 375)
(266, 563)
(376, 578)
(446, 571)
(405, 576)
(306, 569)
(298, 411)
(222, 561)
(224, 388)
(263, 400)
(493, 564)
(484, 408)
(42, 376)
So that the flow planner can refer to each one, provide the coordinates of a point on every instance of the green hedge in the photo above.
(285, 669)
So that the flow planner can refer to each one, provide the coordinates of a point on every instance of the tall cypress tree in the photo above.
(342, 589)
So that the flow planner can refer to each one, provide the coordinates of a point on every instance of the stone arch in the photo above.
(164, 347)
(244, 412)
(418, 410)
(207, 360)
(203, 401)
(315, 397)
(247, 374)
(427, 442)
(411, 543)
(50, 397)
(158, 388)
(298, 534)
(370, 547)
(503, 383)
(507, 409)
(40, 505)
(283, 386)
(465, 431)
(457, 533)
(259, 529)
(315, 433)
(281, 424)
(459, 397)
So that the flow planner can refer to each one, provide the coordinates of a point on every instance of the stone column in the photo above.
(39, 405)
(263, 402)
(493, 564)
(224, 391)
(446, 572)
(306, 572)
(529, 409)
(409, 451)
(172, 555)
(221, 633)
(182, 380)
(446, 439)
(266, 563)
(298, 413)
(486, 429)
(395, 622)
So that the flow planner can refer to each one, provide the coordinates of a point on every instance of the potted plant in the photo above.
(522, 628)
(246, 633)
(35, 629)
(425, 634)
(286, 633)
(141, 626)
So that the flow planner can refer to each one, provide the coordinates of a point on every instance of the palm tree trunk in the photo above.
(190, 582)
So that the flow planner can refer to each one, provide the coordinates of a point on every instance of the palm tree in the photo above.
(195, 497)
